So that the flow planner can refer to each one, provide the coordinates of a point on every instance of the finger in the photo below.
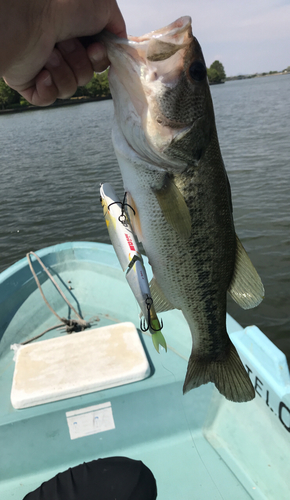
(77, 59)
(98, 56)
(117, 24)
(43, 92)
(62, 75)
(118, 29)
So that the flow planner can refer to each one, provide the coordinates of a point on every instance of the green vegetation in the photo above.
(97, 87)
(8, 96)
(216, 72)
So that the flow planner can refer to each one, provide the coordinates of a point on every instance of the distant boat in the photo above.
(105, 391)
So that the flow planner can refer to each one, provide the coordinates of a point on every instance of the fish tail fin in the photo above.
(229, 376)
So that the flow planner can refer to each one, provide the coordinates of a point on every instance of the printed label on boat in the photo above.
(270, 396)
(90, 420)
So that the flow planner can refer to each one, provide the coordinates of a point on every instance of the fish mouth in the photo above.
(173, 30)
(139, 50)
(173, 33)
(143, 70)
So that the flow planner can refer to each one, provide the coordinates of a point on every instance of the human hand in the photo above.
(45, 58)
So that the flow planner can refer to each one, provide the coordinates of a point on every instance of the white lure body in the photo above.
(126, 248)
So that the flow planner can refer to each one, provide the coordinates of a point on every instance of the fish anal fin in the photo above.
(246, 287)
(161, 303)
(229, 376)
(174, 208)
(133, 215)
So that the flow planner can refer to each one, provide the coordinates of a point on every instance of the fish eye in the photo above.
(197, 71)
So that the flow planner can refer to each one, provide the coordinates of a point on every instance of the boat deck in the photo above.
(198, 446)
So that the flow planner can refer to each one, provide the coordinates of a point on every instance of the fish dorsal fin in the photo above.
(159, 50)
(174, 207)
(246, 287)
(161, 304)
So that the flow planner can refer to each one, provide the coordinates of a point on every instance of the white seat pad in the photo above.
(77, 364)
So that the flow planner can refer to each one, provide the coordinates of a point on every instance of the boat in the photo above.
(69, 398)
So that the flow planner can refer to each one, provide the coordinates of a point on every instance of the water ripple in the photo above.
(52, 162)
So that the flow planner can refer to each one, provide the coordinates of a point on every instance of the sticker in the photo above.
(90, 420)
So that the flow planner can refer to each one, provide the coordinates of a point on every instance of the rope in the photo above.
(40, 334)
(71, 324)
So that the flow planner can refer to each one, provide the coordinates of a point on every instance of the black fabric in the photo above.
(114, 478)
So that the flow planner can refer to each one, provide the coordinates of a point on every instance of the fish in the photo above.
(165, 139)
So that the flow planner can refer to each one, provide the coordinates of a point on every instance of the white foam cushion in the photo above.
(77, 364)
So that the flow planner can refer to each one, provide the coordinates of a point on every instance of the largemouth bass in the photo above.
(167, 147)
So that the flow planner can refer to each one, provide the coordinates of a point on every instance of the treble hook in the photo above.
(122, 218)
(149, 303)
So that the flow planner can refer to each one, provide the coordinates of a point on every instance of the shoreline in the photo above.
(57, 104)
(81, 100)
(255, 75)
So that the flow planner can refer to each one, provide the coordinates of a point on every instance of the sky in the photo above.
(247, 36)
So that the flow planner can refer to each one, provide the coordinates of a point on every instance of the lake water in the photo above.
(52, 162)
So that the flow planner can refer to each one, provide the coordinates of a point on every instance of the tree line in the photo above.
(216, 72)
(97, 87)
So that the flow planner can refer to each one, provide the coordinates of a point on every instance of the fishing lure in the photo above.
(131, 261)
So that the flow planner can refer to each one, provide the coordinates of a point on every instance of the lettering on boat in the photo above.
(272, 400)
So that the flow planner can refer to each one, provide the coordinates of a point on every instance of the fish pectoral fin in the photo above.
(161, 303)
(229, 376)
(246, 287)
(174, 208)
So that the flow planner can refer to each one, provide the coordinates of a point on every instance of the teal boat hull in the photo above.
(198, 446)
